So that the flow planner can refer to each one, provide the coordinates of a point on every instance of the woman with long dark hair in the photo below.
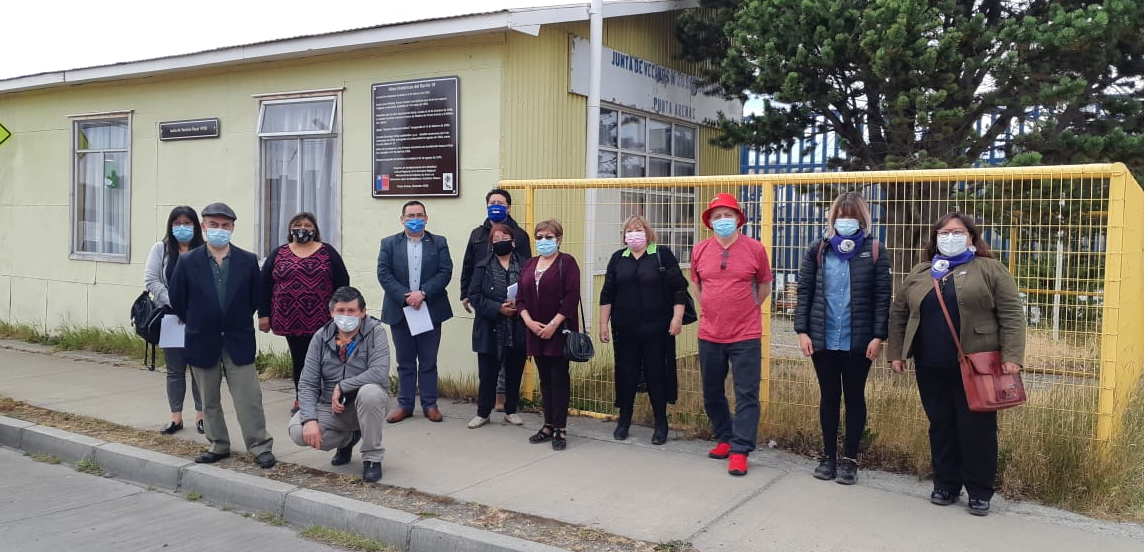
(984, 306)
(184, 233)
(298, 280)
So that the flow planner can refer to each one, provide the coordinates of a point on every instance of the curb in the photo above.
(299, 506)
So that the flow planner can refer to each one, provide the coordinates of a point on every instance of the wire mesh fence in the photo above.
(1057, 229)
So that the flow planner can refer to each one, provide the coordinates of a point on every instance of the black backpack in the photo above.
(147, 318)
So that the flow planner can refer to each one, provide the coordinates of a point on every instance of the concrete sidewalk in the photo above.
(658, 494)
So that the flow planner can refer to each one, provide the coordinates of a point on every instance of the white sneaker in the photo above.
(477, 421)
(513, 419)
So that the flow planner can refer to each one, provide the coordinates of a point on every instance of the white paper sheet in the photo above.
(418, 319)
(171, 332)
(512, 292)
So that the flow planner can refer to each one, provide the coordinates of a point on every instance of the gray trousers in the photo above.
(247, 396)
(367, 415)
(177, 381)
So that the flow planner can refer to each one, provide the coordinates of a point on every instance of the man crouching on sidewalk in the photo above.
(342, 394)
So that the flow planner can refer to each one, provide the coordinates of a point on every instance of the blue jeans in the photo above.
(744, 358)
(416, 365)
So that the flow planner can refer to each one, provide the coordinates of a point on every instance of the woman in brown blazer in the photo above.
(547, 301)
(985, 307)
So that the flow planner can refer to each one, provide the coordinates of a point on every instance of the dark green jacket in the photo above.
(992, 317)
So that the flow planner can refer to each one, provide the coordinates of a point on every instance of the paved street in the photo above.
(53, 508)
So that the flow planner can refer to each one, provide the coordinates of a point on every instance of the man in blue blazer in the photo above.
(413, 268)
(214, 292)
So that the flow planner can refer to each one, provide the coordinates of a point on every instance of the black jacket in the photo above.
(478, 247)
(870, 288)
(486, 307)
(210, 328)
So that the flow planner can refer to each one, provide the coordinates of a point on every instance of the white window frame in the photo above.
(675, 198)
(331, 230)
(73, 214)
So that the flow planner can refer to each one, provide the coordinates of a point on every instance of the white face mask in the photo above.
(346, 323)
(952, 245)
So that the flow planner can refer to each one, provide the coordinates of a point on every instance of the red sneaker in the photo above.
(720, 451)
(737, 465)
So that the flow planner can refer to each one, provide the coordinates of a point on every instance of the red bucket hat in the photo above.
(723, 200)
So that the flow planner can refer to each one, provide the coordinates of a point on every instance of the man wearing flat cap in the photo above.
(214, 291)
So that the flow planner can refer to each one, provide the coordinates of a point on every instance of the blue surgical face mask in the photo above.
(183, 232)
(415, 225)
(546, 247)
(346, 323)
(497, 213)
(846, 226)
(725, 227)
(218, 237)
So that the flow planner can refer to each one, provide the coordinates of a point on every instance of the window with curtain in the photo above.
(300, 167)
(633, 145)
(100, 188)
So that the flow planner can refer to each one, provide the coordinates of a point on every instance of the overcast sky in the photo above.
(51, 35)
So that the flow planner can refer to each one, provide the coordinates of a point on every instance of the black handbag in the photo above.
(147, 320)
(577, 345)
(689, 314)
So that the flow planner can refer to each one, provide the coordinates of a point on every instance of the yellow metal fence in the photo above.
(1073, 236)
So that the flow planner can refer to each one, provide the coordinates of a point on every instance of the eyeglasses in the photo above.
(954, 233)
(545, 236)
(723, 264)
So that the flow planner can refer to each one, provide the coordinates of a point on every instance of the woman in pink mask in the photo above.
(644, 298)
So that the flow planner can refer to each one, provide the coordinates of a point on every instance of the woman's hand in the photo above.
(547, 331)
(264, 324)
(676, 326)
(873, 348)
(605, 335)
(899, 366)
(805, 345)
(535, 327)
(1010, 368)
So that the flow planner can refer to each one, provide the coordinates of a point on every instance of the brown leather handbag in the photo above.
(987, 387)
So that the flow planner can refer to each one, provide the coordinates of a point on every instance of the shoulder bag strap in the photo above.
(948, 319)
(560, 273)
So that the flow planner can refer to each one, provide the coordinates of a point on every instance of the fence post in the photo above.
(1110, 311)
(529, 382)
(766, 236)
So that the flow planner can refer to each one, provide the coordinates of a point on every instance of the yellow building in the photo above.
(100, 155)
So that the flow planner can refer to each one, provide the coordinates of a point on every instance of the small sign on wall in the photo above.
(189, 130)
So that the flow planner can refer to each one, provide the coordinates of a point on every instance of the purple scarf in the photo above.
(847, 246)
(942, 264)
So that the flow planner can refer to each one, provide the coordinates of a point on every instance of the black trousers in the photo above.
(963, 444)
(842, 374)
(299, 346)
(555, 389)
(489, 368)
(641, 353)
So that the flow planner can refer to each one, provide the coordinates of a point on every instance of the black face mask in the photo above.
(302, 235)
(503, 248)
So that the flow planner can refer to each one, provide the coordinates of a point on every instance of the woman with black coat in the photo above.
(643, 297)
(842, 319)
(498, 331)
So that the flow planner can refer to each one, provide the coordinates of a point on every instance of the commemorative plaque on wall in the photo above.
(415, 138)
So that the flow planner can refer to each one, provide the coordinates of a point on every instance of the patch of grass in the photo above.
(23, 332)
(673, 546)
(274, 365)
(462, 386)
(344, 539)
(194, 496)
(88, 466)
(46, 458)
(117, 341)
(428, 514)
(226, 507)
(270, 518)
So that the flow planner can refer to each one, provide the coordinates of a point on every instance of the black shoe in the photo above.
(171, 428)
(978, 507)
(541, 436)
(199, 427)
(827, 469)
(371, 472)
(265, 460)
(623, 424)
(209, 457)
(558, 440)
(659, 436)
(296, 408)
(943, 497)
(344, 454)
(847, 471)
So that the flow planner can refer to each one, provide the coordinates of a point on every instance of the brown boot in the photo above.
(500, 402)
